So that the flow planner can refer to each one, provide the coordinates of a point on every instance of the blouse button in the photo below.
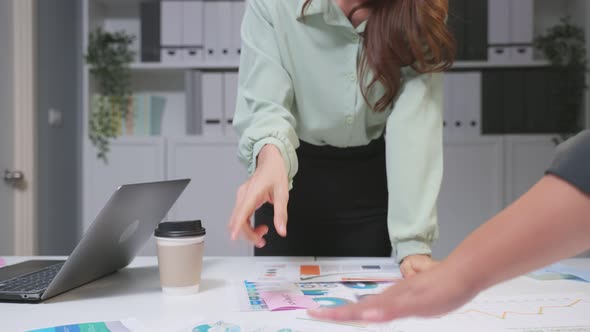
(349, 119)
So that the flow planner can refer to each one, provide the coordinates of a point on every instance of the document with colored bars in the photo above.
(327, 272)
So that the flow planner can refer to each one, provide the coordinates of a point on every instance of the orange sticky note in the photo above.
(309, 270)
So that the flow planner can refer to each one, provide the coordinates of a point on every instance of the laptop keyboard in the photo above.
(33, 282)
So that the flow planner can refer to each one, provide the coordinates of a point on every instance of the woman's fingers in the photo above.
(255, 236)
(280, 200)
(423, 264)
(233, 221)
(376, 308)
(245, 208)
(248, 199)
(407, 269)
(261, 230)
(415, 264)
(268, 184)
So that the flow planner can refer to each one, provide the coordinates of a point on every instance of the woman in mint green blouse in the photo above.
(339, 114)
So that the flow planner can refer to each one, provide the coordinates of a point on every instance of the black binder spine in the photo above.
(150, 31)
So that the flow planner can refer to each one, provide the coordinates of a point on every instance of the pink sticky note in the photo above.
(276, 301)
(2, 262)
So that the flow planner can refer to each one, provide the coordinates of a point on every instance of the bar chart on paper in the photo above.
(530, 313)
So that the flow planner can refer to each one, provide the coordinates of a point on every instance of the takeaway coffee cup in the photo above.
(180, 256)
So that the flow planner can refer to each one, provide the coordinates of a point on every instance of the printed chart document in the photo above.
(327, 272)
(249, 296)
(126, 325)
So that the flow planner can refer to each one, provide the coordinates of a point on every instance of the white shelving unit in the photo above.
(183, 66)
(527, 157)
(486, 64)
(472, 188)
(210, 161)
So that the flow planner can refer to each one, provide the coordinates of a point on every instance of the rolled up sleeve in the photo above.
(265, 93)
(414, 164)
(571, 162)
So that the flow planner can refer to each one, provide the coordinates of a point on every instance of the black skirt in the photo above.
(337, 207)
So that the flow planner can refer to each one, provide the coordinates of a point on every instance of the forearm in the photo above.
(548, 223)
(263, 114)
(414, 165)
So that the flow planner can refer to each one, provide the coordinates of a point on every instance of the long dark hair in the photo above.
(402, 33)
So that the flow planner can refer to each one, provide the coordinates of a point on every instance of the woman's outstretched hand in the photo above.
(415, 264)
(269, 183)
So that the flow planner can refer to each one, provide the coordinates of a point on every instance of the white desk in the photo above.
(134, 292)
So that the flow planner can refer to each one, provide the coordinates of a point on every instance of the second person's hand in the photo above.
(431, 293)
(269, 183)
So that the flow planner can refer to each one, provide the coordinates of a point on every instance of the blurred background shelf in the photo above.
(183, 66)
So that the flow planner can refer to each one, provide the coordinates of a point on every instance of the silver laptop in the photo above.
(117, 234)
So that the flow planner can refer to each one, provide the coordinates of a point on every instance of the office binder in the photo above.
(476, 29)
(171, 54)
(157, 107)
(521, 26)
(212, 103)
(150, 31)
(499, 31)
(467, 100)
(448, 103)
(492, 102)
(171, 30)
(212, 36)
(193, 31)
(514, 106)
(537, 100)
(230, 89)
(521, 21)
(462, 104)
(193, 95)
(237, 14)
(224, 27)
(522, 54)
(457, 24)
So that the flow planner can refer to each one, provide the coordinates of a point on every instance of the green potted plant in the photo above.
(564, 46)
(109, 56)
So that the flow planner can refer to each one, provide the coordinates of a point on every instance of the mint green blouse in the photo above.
(298, 80)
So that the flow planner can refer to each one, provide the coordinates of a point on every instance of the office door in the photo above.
(17, 134)
(6, 130)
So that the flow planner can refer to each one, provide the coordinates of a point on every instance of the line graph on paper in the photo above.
(538, 307)
(526, 313)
